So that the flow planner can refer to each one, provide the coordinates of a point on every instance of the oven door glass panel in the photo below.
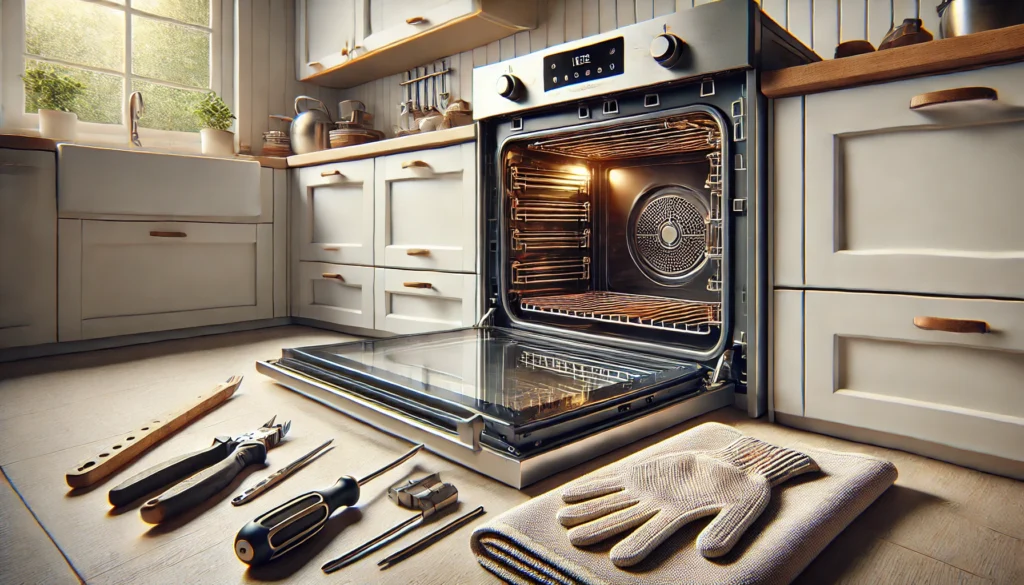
(520, 383)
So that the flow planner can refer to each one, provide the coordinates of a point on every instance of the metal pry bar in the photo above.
(279, 475)
(391, 465)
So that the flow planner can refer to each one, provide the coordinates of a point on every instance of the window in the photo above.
(170, 50)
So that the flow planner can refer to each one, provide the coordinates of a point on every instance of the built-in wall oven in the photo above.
(622, 182)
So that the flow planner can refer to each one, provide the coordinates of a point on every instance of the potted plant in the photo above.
(216, 118)
(56, 95)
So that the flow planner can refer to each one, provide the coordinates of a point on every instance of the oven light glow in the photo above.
(579, 170)
(616, 177)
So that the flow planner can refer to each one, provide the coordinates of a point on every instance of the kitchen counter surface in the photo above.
(22, 142)
(940, 56)
(939, 524)
(389, 146)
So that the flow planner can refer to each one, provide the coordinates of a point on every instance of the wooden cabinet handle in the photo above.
(334, 276)
(168, 234)
(314, 64)
(417, 285)
(415, 20)
(410, 164)
(331, 248)
(951, 325)
(956, 94)
(334, 173)
(417, 252)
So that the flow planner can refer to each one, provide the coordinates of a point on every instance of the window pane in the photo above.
(168, 108)
(170, 52)
(75, 31)
(190, 11)
(101, 101)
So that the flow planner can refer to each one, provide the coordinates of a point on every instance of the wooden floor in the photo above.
(939, 524)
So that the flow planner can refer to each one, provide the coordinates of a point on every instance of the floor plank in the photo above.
(939, 524)
(27, 556)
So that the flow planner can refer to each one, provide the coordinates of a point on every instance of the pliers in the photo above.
(207, 471)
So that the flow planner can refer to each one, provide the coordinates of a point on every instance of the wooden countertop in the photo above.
(941, 56)
(56, 411)
(22, 142)
(390, 146)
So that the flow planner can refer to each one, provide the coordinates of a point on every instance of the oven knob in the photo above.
(667, 49)
(510, 87)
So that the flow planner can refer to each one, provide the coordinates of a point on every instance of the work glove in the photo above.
(658, 496)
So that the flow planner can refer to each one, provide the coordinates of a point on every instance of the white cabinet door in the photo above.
(410, 301)
(786, 353)
(334, 213)
(28, 248)
(868, 365)
(926, 200)
(136, 277)
(324, 28)
(336, 294)
(426, 213)
(390, 21)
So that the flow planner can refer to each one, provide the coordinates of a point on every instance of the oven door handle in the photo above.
(467, 429)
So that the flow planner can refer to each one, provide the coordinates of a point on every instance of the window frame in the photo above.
(12, 32)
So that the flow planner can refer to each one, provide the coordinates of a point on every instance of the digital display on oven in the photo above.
(588, 63)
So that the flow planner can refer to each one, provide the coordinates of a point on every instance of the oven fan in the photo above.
(667, 234)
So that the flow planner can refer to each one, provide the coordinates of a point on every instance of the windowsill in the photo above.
(113, 141)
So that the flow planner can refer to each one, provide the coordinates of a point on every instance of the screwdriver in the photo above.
(280, 530)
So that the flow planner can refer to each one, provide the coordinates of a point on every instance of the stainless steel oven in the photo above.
(622, 182)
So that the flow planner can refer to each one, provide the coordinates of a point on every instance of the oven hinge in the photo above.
(486, 317)
(738, 110)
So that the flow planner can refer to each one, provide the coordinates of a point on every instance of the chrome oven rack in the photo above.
(639, 310)
(523, 177)
(713, 233)
(550, 239)
(545, 271)
(691, 132)
(577, 370)
(550, 211)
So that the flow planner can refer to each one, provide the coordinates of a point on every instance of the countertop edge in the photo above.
(389, 146)
(980, 49)
(22, 142)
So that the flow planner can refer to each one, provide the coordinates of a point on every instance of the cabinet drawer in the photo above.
(136, 277)
(921, 200)
(336, 293)
(426, 210)
(334, 212)
(868, 365)
(404, 303)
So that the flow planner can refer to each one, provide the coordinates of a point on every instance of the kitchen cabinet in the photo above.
(918, 200)
(898, 265)
(335, 293)
(28, 248)
(425, 210)
(346, 43)
(414, 301)
(324, 29)
(124, 277)
(334, 212)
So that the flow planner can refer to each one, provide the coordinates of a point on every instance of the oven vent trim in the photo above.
(677, 134)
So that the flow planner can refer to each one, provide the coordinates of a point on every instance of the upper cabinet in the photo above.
(347, 42)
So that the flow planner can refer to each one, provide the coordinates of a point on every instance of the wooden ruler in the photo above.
(136, 442)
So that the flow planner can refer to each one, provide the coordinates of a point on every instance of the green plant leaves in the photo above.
(52, 91)
(213, 112)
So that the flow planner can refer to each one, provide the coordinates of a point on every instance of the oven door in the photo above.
(507, 390)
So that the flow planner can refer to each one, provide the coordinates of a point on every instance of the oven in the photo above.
(623, 222)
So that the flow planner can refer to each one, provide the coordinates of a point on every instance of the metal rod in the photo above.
(391, 465)
(422, 77)
(279, 475)
(371, 545)
(430, 539)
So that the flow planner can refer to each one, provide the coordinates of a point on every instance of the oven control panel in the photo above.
(597, 61)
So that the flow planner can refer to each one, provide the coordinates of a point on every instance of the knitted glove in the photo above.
(658, 496)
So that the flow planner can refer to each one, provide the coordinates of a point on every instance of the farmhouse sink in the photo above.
(94, 182)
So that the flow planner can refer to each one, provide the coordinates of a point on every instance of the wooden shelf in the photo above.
(391, 146)
(942, 56)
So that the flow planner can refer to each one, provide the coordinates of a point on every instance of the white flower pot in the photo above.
(58, 125)
(217, 142)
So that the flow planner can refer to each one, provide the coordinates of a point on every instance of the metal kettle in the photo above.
(962, 17)
(311, 128)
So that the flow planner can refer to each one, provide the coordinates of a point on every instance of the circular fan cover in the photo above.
(667, 230)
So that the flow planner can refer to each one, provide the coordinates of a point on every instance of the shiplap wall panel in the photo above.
(927, 13)
(820, 24)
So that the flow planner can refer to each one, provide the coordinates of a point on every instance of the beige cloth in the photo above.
(527, 545)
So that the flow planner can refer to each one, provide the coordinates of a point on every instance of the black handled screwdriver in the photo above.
(287, 526)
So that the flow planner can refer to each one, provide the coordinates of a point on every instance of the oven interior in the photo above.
(618, 229)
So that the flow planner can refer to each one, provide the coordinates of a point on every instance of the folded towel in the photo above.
(527, 545)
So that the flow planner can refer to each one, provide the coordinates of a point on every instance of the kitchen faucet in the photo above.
(135, 109)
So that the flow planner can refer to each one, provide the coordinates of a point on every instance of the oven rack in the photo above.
(523, 177)
(541, 271)
(550, 239)
(580, 370)
(640, 310)
(550, 211)
(691, 132)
